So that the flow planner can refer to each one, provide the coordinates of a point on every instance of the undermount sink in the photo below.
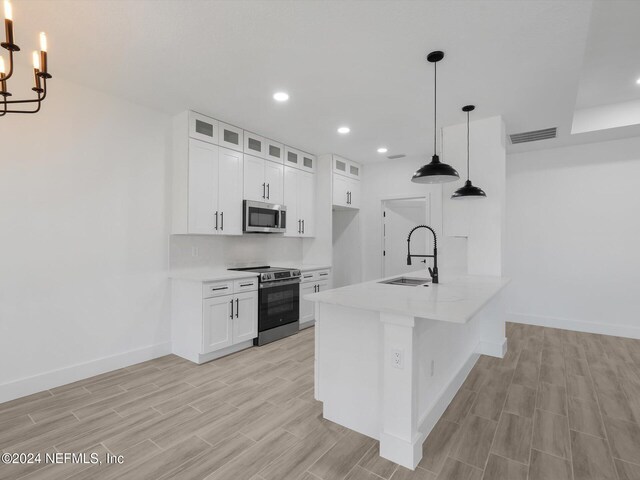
(407, 281)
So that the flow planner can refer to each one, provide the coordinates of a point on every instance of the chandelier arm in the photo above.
(36, 100)
(8, 75)
(23, 111)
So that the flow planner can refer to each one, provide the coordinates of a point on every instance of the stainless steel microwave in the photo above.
(259, 217)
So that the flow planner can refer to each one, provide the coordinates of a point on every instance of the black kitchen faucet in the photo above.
(433, 272)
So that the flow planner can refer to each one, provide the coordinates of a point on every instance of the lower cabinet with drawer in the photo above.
(213, 319)
(312, 281)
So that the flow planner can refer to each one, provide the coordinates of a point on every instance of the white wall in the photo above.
(481, 220)
(470, 232)
(573, 236)
(386, 180)
(347, 261)
(83, 250)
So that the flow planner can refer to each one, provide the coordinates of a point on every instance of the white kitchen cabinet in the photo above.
(254, 144)
(292, 157)
(215, 186)
(230, 137)
(203, 128)
(274, 151)
(230, 183)
(308, 162)
(203, 180)
(299, 198)
(263, 180)
(348, 168)
(274, 178)
(346, 192)
(312, 281)
(307, 312)
(299, 159)
(210, 319)
(217, 325)
(306, 203)
(245, 321)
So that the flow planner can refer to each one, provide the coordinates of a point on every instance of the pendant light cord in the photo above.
(467, 145)
(435, 108)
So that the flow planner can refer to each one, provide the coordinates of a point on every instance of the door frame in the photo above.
(389, 198)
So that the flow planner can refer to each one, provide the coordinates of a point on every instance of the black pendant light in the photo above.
(435, 171)
(469, 190)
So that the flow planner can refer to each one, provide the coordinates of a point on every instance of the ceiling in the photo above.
(355, 63)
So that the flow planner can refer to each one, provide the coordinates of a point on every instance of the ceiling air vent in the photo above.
(533, 136)
(394, 157)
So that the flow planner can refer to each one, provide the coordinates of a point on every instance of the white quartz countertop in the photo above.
(307, 267)
(455, 299)
(220, 274)
(209, 274)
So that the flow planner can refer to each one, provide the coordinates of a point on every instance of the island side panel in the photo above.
(348, 356)
(446, 354)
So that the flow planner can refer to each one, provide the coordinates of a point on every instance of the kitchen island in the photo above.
(389, 358)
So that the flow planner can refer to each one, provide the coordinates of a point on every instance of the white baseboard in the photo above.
(56, 378)
(492, 349)
(429, 420)
(308, 324)
(628, 331)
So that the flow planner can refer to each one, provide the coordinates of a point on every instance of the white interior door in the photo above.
(399, 217)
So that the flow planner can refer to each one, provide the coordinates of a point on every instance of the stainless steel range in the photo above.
(278, 302)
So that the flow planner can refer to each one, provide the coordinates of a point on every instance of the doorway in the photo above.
(399, 216)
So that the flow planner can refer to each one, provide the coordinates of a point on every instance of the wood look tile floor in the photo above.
(560, 405)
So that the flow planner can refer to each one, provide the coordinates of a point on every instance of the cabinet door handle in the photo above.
(268, 190)
(222, 221)
(264, 189)
(299, 226)
(246, 284)
(219, 288)
(303, 227)
(231, 309)
(216, 219)
(237, 307)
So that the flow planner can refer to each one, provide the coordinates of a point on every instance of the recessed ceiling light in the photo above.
(344, 130)
(382, 150)
(281, 96)
(638, 81)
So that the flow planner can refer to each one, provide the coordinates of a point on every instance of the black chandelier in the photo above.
(40, 70)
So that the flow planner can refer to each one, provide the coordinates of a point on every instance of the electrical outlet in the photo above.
(433, 367)
(194, 251)
(397, 358)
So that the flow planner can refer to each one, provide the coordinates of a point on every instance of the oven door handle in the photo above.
(279, 283)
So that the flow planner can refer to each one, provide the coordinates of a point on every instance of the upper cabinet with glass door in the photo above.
(346, 167)
(299, 159)
(274, 151)
(254, 144)
(230, 137)
(203, 128)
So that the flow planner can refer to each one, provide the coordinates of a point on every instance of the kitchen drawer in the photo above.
(245, 285)
(216, 289)
(323, 274)
(308, 277)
